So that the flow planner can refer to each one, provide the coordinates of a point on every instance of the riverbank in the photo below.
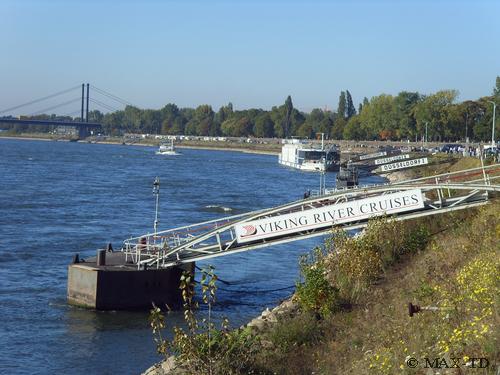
(27, 138)
(199, 145)
(246, 145)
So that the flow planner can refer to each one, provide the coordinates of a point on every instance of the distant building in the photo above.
(67, 131)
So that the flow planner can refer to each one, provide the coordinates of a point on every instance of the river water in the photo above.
(59, 198)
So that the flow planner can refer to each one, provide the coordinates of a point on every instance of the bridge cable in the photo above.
(55, 106)
(41, 99)
(104, 105)
(72, 113)
(111, 96)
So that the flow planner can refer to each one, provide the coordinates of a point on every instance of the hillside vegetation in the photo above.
(354, 317)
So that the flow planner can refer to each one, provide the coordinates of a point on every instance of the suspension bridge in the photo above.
(41, 111)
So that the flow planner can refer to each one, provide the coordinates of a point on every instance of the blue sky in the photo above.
(250, 53)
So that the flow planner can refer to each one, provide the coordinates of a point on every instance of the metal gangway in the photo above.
(437, 194)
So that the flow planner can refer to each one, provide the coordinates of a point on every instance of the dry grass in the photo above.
(376, 335)
(379, 329)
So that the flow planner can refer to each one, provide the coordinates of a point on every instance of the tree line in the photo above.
(383, 117)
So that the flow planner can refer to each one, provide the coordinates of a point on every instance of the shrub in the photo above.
(297, 331)
(352, 267)
(343, 270)
(315, 293)
(202, 348)
(354, 263)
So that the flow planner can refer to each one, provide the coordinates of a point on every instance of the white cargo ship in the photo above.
(307, 157)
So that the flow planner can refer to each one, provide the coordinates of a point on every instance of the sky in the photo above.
(251, 53)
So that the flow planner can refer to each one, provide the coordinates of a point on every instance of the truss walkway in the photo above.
(314, 216)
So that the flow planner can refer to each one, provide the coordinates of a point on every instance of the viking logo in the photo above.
(249, 230)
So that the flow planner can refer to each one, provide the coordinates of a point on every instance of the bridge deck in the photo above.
(78, 124)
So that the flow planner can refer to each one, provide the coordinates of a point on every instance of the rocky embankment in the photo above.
(398, 176)
(286, 309)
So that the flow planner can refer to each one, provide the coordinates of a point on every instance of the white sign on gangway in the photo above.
(403, 164)
(374, 155)
(325, 217)
(392, 158)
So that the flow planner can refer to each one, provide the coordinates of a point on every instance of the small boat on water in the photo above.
(167, 149)
(307, 157)
(347, 176)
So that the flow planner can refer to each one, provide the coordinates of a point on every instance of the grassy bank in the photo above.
(351, 314)
(453, 263)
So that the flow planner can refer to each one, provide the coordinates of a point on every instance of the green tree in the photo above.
(496, 89)
(470, 112)
(201, 122)
(286, 119)
(169, 114)
(95, 116)
(378, 119)
(482, 128)
(337, 130)
(350, 111)
(288, 116)
(264, 126)
(297, 120)
(178, 127)
(224, 113)
(325, 126)
(243, 127)
(114, 123)
(151, 121)
(353, 129)
(342, 108)
(313, 121)
(438, 112)
(306, 131)
(404, 105)
(132, 119)
(237, 126)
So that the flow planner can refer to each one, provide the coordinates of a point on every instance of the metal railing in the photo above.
(218, 237)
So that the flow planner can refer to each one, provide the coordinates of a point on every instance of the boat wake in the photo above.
(217, 208)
